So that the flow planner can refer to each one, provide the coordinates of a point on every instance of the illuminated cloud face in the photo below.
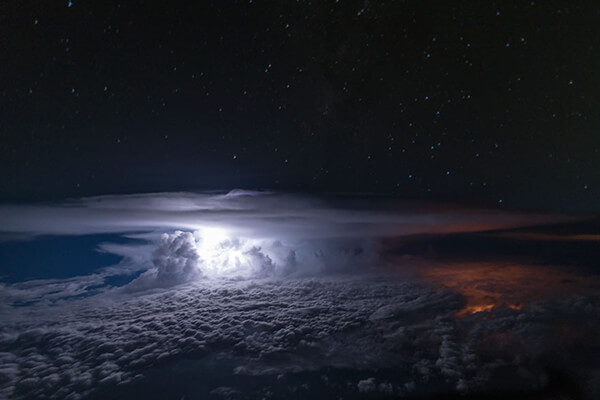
(243, 235)
(213, 253)
(283, 290)
(225, 255)
(177, 258)
(216, 253)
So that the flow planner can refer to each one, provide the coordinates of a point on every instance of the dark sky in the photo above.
(493, 102)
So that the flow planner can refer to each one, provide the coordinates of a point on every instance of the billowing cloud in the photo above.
(242, 234)
(181, 257)
(259, 284)
(176, 260)
(278, 328)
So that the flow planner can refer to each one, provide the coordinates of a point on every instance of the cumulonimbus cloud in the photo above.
(361, 322)
(244, 234)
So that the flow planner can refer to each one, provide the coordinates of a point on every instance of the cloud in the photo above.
(367, 385)
(274, 328)
(176, 261)
(255, 214)
(252, 281)
(47, 290)
(488, 285)
(176, 257)
(547, 237)
(243, 234)
(181, 257)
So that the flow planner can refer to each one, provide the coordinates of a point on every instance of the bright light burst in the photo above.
(224, 254)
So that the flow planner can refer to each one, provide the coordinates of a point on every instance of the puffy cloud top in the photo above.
(177, 258)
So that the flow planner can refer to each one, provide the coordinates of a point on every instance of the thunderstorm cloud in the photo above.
(283, 288)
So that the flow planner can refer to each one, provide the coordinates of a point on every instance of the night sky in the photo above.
(490, 103)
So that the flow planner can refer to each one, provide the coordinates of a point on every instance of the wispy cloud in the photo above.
(262, 214)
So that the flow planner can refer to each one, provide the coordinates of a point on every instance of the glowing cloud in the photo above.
(256, 214)
(241, 234)
(486, 286)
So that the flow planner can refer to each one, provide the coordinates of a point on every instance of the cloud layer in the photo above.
(245, 234)
(284, 327)
(256, 214)
(272, 285)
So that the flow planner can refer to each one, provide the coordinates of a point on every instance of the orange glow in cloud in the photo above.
(486, 286)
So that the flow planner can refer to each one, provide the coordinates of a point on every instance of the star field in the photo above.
(493, 103)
